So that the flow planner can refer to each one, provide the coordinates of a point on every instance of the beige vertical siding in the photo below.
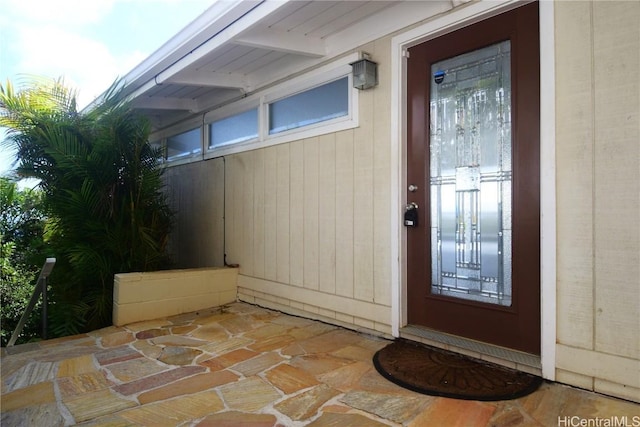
(598, 184)
(283, 216)
(344, 214)
(327, 213)
(316, 218)
(270, 213)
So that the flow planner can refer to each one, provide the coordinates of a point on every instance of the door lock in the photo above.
(411, 215)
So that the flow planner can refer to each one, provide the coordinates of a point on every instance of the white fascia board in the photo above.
(283, 42)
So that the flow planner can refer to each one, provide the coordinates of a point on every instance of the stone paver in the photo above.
(452, 412)
(290, 379)
(233, 357)
(271, 343)
(157, 380)
(36, 394)
(32, 373)
(305, 405)
(194, 384)
(134, 369)
(37, 415)
(399, 409)
(319, 363)
(238, 419)
(245, 366)
(346, 377)
(175, 411)
(347, 420)
(83, 383)
(147, 325)
(116, 355)
(146, 349)
(249, 395)
(76, 366)
(178, 355)
(227, 345)
(117, 338)
(151, 333)
(87, 406)
(178, 340)
(258, 364)
(329, 342)
(209, 333)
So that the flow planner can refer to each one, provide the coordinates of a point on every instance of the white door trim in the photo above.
(458, 18)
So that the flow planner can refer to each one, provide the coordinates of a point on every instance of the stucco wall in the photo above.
(308, 221)
(598, 195)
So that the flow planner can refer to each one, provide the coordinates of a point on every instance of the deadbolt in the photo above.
(413, 188)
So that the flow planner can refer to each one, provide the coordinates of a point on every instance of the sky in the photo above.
(89, 43)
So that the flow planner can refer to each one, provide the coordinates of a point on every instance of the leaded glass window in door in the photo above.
(471, 175)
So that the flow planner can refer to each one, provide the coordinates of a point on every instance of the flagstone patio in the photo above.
(242, 365)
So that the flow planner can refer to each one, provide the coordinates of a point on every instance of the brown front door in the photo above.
(473, 155)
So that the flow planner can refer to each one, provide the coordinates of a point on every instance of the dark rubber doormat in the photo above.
(437, 372)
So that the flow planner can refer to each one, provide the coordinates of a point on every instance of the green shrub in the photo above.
(102, 191)
(22, 250)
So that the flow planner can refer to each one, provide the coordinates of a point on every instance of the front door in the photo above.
(473, 254)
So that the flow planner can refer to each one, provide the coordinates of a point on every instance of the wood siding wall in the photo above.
(598, 195)
(309, 221)
(196, 195)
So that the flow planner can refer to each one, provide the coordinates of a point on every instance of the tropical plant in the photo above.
(22, 220)
(22, 249)
(102, 189)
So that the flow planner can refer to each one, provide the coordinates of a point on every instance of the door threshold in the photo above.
(513, 359)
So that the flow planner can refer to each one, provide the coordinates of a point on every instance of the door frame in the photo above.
(461, 17)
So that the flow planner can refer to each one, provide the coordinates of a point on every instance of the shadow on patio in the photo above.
(243, 365)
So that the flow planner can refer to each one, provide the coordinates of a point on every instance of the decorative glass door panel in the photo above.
(471, 175)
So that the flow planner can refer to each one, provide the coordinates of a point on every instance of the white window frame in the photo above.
(317, 77)
(277, 96)
(188, 125)
(230, 110)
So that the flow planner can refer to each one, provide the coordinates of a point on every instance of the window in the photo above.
(185, 144)
(234, 129)
(319, 104)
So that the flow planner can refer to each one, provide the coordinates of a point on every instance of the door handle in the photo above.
(411, 215)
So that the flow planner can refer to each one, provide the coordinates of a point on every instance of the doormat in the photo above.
(437, 372)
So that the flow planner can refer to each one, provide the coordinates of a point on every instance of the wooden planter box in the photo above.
(147, 296)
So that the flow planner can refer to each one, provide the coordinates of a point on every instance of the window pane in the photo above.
(183, 145)
(234, 129)
(319, 104)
